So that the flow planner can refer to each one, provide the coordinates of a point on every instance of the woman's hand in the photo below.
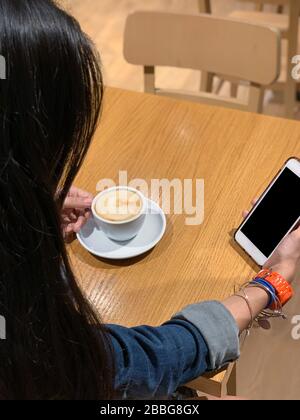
(285, 261)
(286, 258)
(76, 211)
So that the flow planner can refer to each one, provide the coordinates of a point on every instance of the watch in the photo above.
(283, 289)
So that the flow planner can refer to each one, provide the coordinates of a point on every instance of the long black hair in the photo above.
(50, 102)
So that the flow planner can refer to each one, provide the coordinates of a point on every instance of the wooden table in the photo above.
(236, 154)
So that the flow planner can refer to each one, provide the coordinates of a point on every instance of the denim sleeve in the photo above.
(219, 330)
(154, 362)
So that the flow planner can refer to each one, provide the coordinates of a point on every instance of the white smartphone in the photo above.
(276, 214)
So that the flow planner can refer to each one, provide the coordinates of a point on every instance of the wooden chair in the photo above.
(288, 25)
(246, 52)
(205, 6)
(207, 79)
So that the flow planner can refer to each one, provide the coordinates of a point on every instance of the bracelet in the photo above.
(269, 288)
(268, 313)
(250, 326)
(265, 314)
(246, 299)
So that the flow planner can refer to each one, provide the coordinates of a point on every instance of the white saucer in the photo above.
(97, 243)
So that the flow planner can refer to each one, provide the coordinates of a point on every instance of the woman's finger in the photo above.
(78, 203)
(253, 203)
(79, 224)
(88, 214)
(69, 228)
(73, 216)
(65, 219)
(77, 192)
(245, 214)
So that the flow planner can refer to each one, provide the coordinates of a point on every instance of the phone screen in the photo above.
(276, 214)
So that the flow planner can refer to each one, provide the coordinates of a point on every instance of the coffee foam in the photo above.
(119, 205)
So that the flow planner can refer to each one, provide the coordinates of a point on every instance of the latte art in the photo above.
(119, 205)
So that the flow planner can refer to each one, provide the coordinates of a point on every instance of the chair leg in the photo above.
(219, 85)
(259, 7)
(232, 382)
(204, 6)
(207, 80)
(280, 9)
(234, 88)
(256, 98)
(298, 92)
(290, 98)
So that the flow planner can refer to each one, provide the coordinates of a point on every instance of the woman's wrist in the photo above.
(258, 296)
(286, 269)
(258, 300)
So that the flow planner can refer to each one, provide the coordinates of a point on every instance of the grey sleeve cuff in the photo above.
(218, 329)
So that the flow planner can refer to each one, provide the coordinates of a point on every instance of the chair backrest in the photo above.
(244, 51)
(292, 30)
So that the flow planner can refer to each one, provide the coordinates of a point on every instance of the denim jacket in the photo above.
(153, 362)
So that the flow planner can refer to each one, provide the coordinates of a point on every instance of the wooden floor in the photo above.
(269, 367)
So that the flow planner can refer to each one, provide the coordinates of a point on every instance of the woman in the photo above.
(56, 347)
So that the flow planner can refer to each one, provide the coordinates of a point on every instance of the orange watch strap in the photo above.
(284, 290)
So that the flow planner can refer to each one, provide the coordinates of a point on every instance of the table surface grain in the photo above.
(236, 154)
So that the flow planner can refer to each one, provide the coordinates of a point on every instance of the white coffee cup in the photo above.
(120, 230)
